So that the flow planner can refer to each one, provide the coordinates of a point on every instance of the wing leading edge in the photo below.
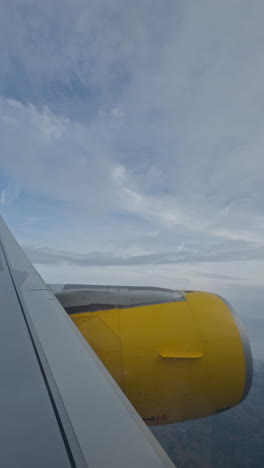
(59, 405)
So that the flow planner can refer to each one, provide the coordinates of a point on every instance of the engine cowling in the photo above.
(176, 355)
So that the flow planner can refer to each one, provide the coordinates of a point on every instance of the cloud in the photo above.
(134, 132)
(53, 156)
(221, 253)
(216, 276)
(3, 197)
(9, 194)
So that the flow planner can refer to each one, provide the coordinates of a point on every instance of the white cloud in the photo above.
(9, 194)
(53, 156)
(3, 197)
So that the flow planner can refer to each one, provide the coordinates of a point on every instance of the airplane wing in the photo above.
(59, 406)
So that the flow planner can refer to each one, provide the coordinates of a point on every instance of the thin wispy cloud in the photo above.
(3, 197)
(224, 252)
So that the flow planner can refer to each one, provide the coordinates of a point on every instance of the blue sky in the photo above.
(132, 141)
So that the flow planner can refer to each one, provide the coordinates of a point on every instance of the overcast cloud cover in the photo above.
(132, 141)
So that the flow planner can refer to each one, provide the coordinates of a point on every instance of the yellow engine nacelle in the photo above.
(174, 361)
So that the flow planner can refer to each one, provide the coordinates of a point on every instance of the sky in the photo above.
(132, 142)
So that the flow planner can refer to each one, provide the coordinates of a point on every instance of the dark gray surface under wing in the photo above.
(29, 431)
(101, 427)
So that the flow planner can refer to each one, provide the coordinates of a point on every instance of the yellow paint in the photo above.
(223, 349)
(174, 361)
(101, 330)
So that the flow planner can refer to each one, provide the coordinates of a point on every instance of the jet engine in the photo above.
(177, 355)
